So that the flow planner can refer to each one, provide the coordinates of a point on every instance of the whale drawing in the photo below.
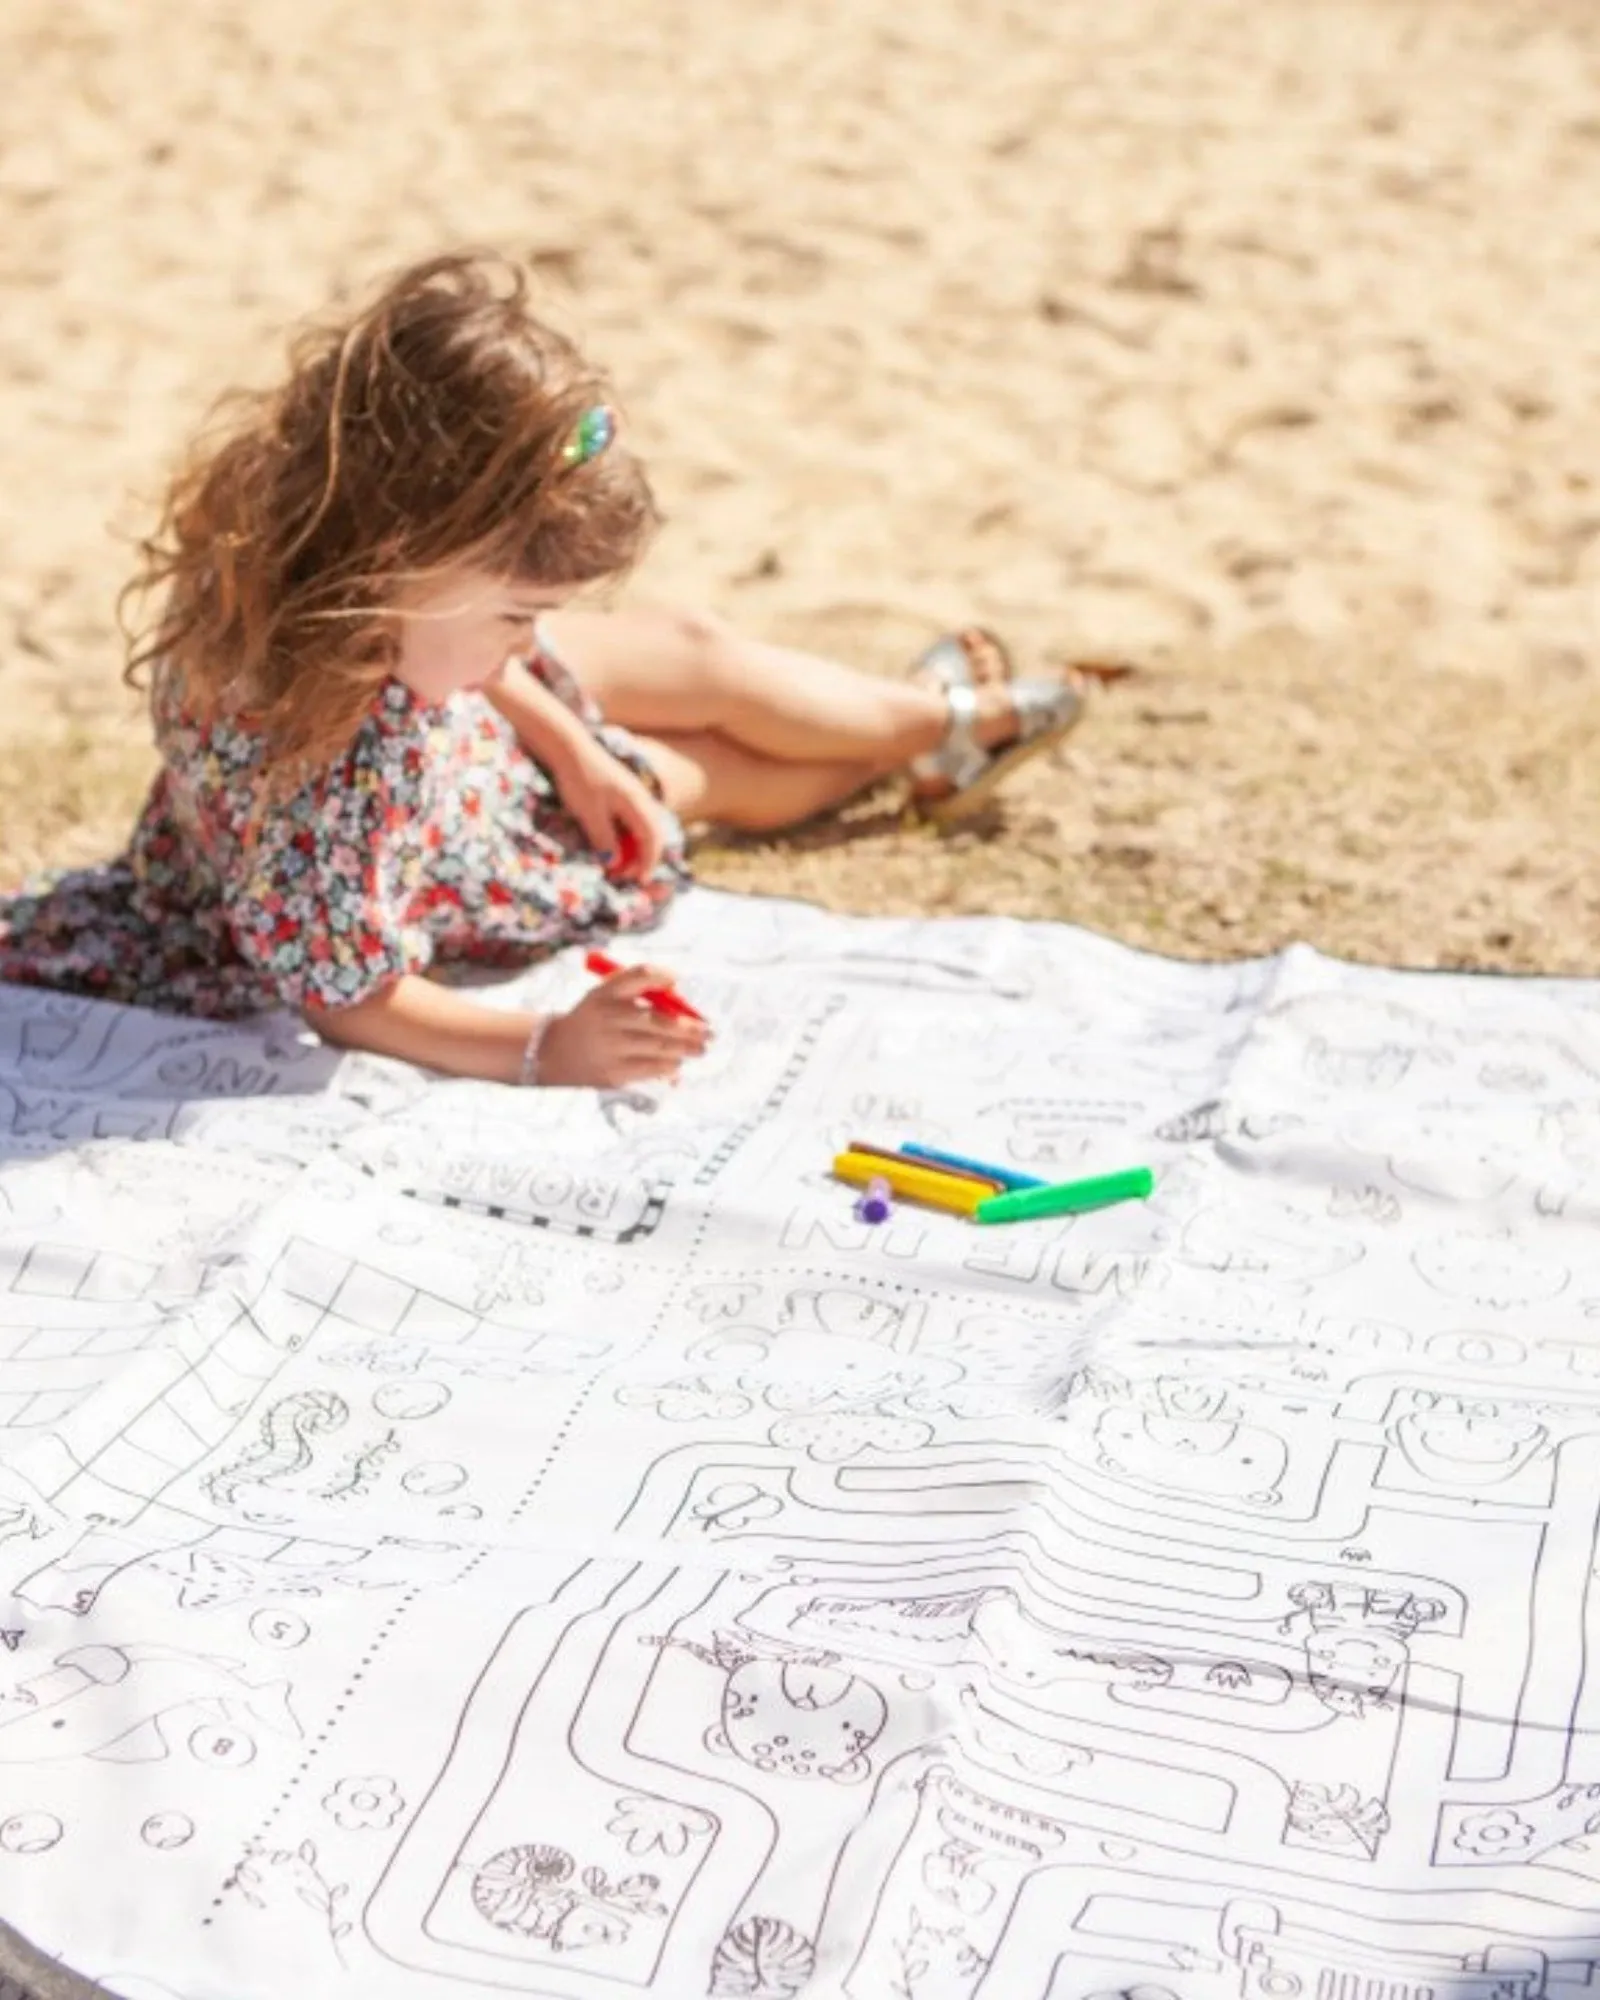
(112, 1702)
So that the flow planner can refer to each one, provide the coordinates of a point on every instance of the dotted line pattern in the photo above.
(648, 1223)
(357, 1675)
(788, 1276)
(550, 1457)
(810, 1035)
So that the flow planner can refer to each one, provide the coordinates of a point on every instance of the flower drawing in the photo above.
(1494, 1832)
(359, 1803)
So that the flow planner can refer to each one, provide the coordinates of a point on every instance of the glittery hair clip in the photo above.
(596, 428)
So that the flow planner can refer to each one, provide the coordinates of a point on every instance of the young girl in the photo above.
(388, 747)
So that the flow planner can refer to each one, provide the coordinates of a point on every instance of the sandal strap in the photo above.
(960, 757)
(961, 743)
(1043, 710)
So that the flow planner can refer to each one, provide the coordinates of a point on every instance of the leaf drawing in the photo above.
(762, 1959)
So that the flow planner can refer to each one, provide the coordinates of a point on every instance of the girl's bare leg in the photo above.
(706, 777)
(684, 674)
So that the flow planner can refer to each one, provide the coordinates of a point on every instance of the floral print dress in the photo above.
(436, 840)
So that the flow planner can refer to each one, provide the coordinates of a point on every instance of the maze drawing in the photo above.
(545, 1544)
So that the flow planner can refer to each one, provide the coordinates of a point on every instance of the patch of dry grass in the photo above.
(70, 787)
(1228, 805)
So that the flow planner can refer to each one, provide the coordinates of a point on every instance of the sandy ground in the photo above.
(1259, 338)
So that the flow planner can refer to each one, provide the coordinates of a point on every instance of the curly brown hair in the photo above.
(427, 430)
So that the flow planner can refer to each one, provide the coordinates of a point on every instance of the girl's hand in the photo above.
(615, 808)
(613, 1037)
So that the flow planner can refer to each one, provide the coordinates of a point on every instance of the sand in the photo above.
(1257, 339)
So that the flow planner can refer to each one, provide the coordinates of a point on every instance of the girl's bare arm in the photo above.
(545, 726)
(433, 1026)
(609, 1039)
(608, 801)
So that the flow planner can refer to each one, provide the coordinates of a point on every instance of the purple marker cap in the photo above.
(875, 1205)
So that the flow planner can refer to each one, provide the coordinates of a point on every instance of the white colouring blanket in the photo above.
(459, 1543)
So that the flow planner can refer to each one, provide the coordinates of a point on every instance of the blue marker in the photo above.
(1008, 1177)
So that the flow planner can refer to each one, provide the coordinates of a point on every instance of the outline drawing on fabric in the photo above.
(1192, 1602)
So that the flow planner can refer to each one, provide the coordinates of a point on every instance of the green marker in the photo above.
(1067, 1197)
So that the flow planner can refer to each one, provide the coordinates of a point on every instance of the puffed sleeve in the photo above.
(319, 903)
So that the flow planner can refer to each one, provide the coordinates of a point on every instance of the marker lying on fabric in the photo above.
(990, 1183)
(1005, 1177)
(955, 1197)
(1067, 1198)
(658, 998)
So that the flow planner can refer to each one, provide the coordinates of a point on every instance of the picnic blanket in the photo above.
(460, 1542)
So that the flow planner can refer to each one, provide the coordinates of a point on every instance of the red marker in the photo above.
(656, 997)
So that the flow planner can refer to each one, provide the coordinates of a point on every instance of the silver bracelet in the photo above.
(529, 1071)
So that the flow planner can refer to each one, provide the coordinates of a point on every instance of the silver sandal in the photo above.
(961, 772)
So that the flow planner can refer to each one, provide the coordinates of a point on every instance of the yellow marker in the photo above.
(947, 1168)
(935, 1190)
